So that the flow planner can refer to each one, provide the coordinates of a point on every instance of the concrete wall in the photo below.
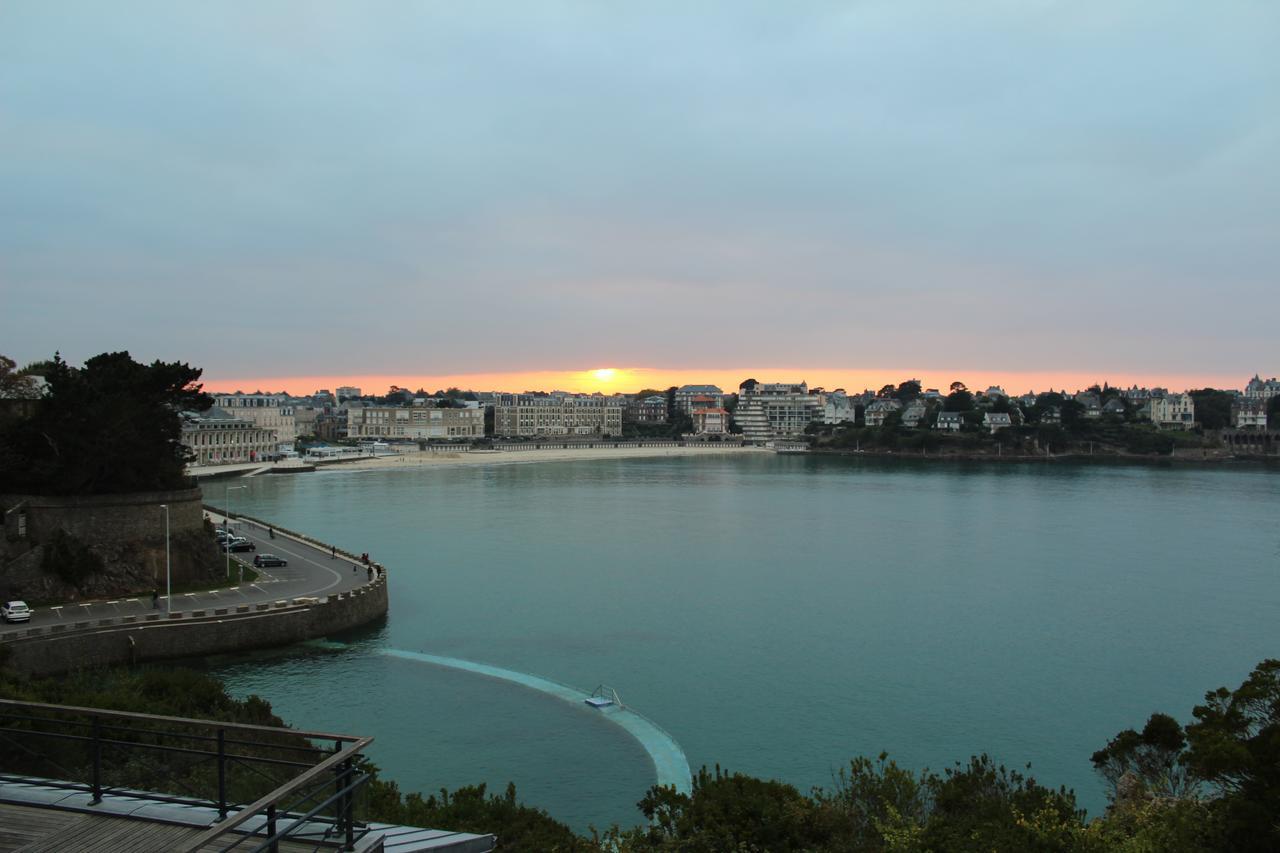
(106, 642)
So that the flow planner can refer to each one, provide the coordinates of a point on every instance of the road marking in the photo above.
(131, 600)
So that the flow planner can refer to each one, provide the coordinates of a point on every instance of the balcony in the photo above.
(94, 780)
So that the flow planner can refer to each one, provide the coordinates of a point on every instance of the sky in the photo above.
(298, 195)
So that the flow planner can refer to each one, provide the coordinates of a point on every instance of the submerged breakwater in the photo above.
(669, 761)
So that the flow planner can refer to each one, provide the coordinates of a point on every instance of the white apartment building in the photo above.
(268, 411)
(769, 411)
(216, 438)
(1175, 411)
(347, 392)
(414, 423)
(558, 414)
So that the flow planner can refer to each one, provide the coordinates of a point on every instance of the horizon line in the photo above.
(632, 379)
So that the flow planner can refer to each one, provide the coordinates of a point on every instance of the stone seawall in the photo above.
(130, 639)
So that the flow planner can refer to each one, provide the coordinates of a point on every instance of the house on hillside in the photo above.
(881, 409)
(951, 421)
(914, 413)
(996, 421)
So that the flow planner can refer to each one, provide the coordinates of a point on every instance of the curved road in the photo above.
(311, 571)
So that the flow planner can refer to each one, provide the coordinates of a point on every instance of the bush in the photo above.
(70, 559)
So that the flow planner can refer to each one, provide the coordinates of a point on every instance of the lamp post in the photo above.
(168, 568)
(227, 544)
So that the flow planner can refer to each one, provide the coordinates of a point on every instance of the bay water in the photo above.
(777, 615)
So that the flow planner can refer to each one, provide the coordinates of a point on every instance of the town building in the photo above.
(838, 408)
(557, 414)
(996, 421)
(1249, 413)
(1262, 389)
(913, 413)
(647, 410)
(268, 411)
(216, 437)
(950, 421)
(1174, 411)
(347, 392)
(414, 423)
(710, 421)
(878, 410)
(769, 411)
(685, 394)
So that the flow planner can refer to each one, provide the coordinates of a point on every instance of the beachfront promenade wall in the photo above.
(133, 639)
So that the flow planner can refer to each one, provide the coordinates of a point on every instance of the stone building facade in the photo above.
(529, 415)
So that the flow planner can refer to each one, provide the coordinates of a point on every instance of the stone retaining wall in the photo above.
(132, 639)
(124, 518)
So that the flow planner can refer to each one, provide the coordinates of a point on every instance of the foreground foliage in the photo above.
(111, 426)
(1212, 785)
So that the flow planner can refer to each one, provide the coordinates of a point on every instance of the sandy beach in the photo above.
(421, 458)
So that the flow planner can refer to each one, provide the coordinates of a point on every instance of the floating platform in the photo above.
(599, 702)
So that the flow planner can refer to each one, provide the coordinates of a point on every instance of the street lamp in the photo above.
(168, 568)
(227, 525)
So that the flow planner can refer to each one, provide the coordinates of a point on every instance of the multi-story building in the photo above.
(710, 421)
(557, 414)
(879, 410)
(268, 411)
(647, 410)
(1249, 414)
(1262, 389)
(769, 411)
(1174, 411)
(685, 394)
(837, 408)
(217, 438)
(347, 392)
(913, 413)
(413, 423)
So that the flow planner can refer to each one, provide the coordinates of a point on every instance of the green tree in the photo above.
(112, 426)
(1273, 411)
(908, 391)
(1151, 759)
(1234, 746)
(959, 400)
(14, 384)
(1213, 408)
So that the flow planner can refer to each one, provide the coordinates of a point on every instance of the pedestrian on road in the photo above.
(271, 531)
(371, 574)
(333, 552)
(353, 568)
(155, 599)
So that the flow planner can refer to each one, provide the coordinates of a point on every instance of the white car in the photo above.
(15, 611)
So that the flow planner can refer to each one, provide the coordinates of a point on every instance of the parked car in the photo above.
(15, 611)
(261, 560)
(238, 543)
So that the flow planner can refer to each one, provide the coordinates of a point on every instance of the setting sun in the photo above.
(605, 374)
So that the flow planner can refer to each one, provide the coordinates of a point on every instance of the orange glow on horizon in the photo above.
(628, 380)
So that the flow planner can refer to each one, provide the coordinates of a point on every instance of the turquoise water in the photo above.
(777, 615)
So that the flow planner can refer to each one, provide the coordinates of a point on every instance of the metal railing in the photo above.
(295, 789)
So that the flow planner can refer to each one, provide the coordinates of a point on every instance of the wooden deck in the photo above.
(24, 829)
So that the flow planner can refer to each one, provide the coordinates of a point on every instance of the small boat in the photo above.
(604, 697)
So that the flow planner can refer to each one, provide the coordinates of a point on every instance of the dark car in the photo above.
(268, 560)
(239, 543)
